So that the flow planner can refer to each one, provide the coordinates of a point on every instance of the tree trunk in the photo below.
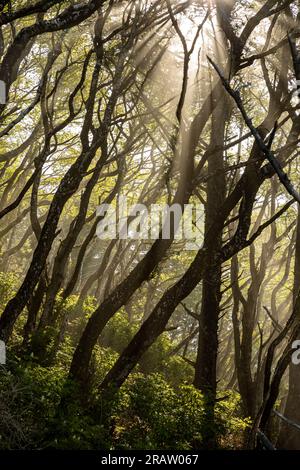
(289, 438)
(206, 363)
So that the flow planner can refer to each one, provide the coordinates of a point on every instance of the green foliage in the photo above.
(147, 413)
(29, 395)
(228, 412)
(8, 287)
(158, 358)
(151, 414)
(157, 408)
(118, 332)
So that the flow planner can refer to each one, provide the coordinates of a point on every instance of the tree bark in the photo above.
(289, 438)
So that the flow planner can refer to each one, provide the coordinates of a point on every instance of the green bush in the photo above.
(8, 287)
(29, 394)
(151, 414)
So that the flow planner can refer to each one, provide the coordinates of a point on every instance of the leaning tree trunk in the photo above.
(289, 438)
